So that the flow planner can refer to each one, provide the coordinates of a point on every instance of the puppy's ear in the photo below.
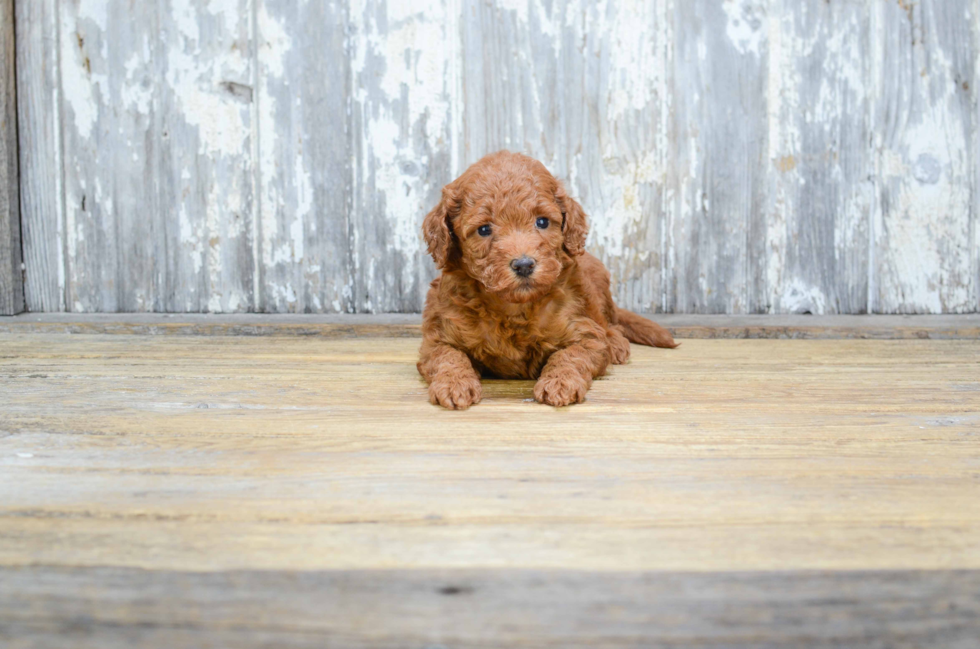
(574, 224)
(437, 229)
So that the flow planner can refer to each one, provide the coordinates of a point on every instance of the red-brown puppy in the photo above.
(519, 298)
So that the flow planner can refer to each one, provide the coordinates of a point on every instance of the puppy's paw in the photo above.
(561, 391)
(619, 347)
(455, 394)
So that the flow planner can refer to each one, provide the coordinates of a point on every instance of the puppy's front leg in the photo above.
(568, 374)
(453, 383)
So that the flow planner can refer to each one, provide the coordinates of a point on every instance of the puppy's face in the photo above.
(509, 225)
(511, 240)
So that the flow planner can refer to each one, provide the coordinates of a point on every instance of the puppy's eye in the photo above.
(484, 230)
(543, 222)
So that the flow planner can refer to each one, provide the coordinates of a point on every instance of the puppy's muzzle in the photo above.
(523, 267)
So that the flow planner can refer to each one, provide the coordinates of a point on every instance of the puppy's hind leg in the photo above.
(619, 345)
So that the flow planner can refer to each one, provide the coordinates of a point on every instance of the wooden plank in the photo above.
(617, 142)
(822, 190)
(587, 98)
(322, 326)
(158, 165)
(404, 133)
(11, 275)
(974, 88)
(716, 222)
(206, 119)
(303, 100)
(220, 453)
(185, 491)
(96, 138)
(111, 607)
(924, 62)
(42, 195)
(957, 327)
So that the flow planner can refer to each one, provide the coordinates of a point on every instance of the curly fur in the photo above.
(558, 326)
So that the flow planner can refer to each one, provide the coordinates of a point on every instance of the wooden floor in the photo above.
(167, 491)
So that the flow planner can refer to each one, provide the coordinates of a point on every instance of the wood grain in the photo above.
(106, 608)
(301, 492)
(303, 255)
(205, 122)
(716, 228)
(90, 151)
(11, 275)
(41, 169)
(821, 167)
(301, 454)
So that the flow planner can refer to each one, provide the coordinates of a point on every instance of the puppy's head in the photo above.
(509, 224)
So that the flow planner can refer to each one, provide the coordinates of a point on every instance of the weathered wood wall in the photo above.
(11, 282)
(740, 156)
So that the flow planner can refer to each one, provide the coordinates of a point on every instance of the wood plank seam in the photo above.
(964, 327)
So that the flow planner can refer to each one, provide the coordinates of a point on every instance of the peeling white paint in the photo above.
(79, 82)
(933, 194)
(784, 83)
(296, 238)
(746, 27)
(922, 242)
(288, 210)
(799, 296)
(637, 151)
(519, 8)
(191, 236)
(636, 65)
(96, 11)
(274, 45)
(196, 80)
(618, 223)
(137, 93)
(406, 119)
(304, 191)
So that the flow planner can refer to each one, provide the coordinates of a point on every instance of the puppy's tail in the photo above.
(642, 331)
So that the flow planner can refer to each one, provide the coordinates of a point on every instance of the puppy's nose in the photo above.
(523, 266)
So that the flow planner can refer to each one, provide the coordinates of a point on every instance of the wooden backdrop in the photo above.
(735, 156)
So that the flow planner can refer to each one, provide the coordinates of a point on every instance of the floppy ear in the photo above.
(574, 224)
(438, 230)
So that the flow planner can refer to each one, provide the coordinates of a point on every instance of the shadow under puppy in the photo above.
(519, 298)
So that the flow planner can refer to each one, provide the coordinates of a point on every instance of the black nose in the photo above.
(523, 266)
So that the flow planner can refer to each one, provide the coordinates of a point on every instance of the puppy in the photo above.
(519, 298)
